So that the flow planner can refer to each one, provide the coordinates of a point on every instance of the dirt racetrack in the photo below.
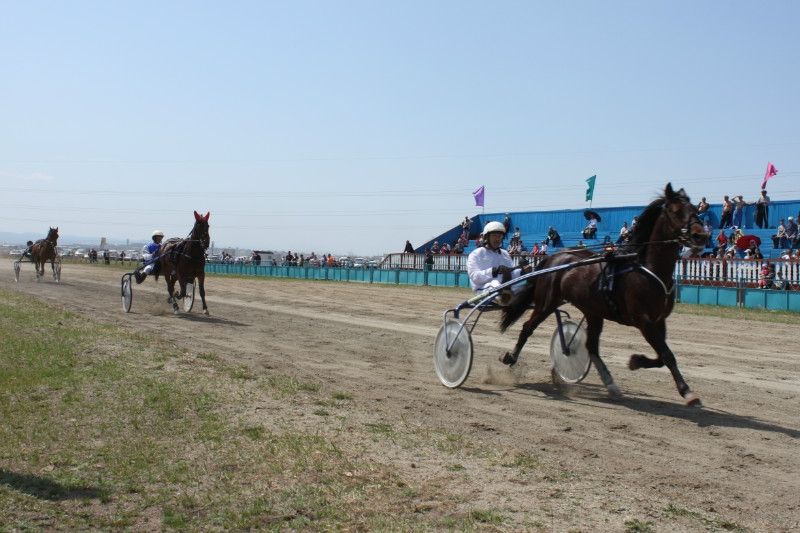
(593, 464)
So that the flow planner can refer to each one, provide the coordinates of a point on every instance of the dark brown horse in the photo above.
(44, 250)
(640, 294)
(183, 260)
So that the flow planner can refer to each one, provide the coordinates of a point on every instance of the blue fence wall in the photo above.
(692, 294)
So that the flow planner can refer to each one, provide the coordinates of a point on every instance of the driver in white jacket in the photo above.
(489, 265)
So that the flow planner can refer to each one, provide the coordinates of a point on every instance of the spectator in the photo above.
(702, 209)
(767, 276)
(779, 240)
(553, 238)
(632, 228)
(543, 248)
(517, 236)
(466, 225)
(507, 222)
(331, 262)
(581, 245)
(623, 233)
(738, 211)
(256, 258)
(428, 259)
(727, 213)
(780, 283)
(753, 251)
(408, 249)
(791, 233)
(787, 254)
(122, 256)
(445, 249)
(435, 248)
(288, 259)
(708, 230)
(762, 210)
(458, 248)
(535, 249)
(722, 242)
(514, 249)
(590, 230)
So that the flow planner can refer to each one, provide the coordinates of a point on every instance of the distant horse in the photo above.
(638, 293)
(44, 250)
(183, 260)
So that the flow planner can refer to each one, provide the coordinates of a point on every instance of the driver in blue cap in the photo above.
(150, 256)
(489, 266)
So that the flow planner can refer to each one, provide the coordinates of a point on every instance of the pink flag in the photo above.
(771, 171)
(478, 195)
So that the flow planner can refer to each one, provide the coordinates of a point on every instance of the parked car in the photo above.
(359, 262)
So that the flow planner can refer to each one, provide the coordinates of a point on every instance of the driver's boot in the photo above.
(140, 276)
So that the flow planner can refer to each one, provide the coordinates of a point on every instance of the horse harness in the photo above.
(618, 265)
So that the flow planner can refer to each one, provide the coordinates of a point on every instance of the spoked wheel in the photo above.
(570, 367)
(57, 271)
(453, 367)
(188, 300)
(127, 293)
(16, 271)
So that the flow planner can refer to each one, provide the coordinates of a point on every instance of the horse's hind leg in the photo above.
(171, 292)
(201, 277)
(656, 335)
(510, 358)
(594, 326)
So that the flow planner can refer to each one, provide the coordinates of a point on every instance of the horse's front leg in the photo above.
(594, 326)
(510, 358)
(201, 277)
(656, 336)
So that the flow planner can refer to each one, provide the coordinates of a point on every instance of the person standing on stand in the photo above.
(762, 210)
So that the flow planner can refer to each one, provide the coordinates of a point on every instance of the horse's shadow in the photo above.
(47, 489)
(210, 319)
(703, 417)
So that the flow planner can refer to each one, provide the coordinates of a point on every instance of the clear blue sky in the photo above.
(349, 127)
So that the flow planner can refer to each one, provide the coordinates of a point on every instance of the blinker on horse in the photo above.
(183, 260)
(643, 289)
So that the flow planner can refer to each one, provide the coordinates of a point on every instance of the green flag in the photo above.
(590, 187)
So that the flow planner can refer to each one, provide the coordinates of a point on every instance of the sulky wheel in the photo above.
(452, 367)
(188, 300)
(570, 367)
(127, 293)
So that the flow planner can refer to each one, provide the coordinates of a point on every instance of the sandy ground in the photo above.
(735, 463)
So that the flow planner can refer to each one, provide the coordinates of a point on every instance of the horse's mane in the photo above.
(646, 222)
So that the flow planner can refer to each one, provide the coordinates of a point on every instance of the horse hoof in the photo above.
(634, 363)
(614, 392)
(508, 359)
(692, 400)
(205, 312)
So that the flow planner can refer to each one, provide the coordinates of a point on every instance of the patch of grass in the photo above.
(524, 461)
(321, 412)
(456, 468)
(710, 523)
(380, 429)
(342, 396)
(634, 525)
(282, 386)
(254, 432)
(242, 372)
(487, 517)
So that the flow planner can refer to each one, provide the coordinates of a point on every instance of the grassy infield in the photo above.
(104, 429)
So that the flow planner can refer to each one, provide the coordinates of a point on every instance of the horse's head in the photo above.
(200, 229)
(682, 221)
(52, 235)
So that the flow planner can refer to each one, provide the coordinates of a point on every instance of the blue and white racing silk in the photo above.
(480, 263)
(150, 252)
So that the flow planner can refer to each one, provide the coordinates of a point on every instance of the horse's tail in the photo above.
(518, 305)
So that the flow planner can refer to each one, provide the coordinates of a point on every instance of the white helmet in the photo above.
(492, 227)
(158, 233)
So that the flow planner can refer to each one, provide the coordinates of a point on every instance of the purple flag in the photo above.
(771, 171)
(478, 195)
